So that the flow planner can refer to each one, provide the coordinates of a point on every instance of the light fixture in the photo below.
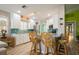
(31, 14)
(19, 11)
(48, 14)
(24, 18)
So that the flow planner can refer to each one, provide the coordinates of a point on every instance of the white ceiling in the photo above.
(40, 10)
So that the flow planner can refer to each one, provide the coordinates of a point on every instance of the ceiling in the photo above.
(40, 10)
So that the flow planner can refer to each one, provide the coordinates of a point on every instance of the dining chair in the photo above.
(49, 42)
(35, 43)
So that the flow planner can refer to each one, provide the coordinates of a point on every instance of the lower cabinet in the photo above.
(21, 38)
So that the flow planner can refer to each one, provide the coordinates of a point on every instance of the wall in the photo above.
(6, 15)
(55, 20)
(73, 17)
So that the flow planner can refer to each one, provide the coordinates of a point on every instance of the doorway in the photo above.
(70, 27)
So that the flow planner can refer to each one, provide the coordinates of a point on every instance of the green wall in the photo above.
(73, 16)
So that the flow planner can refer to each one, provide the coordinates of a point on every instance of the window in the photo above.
(3, 23)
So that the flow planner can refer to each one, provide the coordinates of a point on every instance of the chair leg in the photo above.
(47, 51)
(31, 48)
(65, 49)
(40, 48)
(58, 49)
(35, 48)
(53, 51)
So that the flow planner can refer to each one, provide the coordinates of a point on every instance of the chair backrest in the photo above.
(64, 38)
(32, 36)
(47, 39)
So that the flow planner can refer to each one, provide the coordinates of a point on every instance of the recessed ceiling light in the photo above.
(48, 14)
(19, 11)
(31, 14)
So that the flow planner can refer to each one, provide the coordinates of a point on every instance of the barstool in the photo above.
(62, 47)
(35, 43)
(49, 42)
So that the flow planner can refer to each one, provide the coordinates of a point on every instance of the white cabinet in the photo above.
(15, 20)
(21, 38)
